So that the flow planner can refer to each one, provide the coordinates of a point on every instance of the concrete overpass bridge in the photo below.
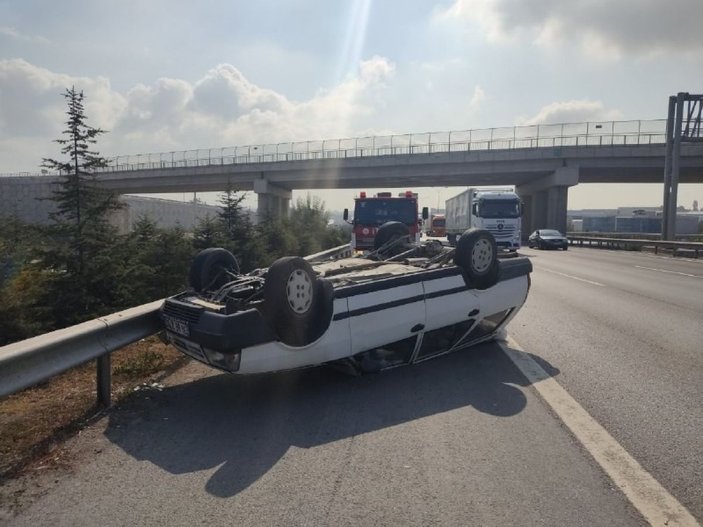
(542, 161)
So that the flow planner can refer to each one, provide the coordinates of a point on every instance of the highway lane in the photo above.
(626, 331)
(459, 440)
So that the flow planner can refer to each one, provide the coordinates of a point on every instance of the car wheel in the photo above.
(323, 308)
(290, 292)
(211, 269)
(389, 232)
(477, 255)
(566, 247)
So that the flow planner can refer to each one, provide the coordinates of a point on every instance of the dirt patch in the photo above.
(34, 422)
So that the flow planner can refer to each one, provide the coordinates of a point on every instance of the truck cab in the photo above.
(370, 212)
(498, 211)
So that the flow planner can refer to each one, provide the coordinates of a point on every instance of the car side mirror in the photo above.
(425, 213)
(346, 214)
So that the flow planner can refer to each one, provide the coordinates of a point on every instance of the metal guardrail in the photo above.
(635, 235)
(341, 251)
(694, 249)
(605, 133)
(31, 361)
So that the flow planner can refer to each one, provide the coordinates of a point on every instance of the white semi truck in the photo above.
(497, 210)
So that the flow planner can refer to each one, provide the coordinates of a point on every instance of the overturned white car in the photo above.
(399, 304)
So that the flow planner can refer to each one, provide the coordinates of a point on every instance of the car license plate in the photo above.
(177, 326)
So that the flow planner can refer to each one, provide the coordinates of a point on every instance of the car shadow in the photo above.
(244, 425)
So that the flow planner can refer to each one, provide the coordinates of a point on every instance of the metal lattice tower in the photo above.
(683, 125)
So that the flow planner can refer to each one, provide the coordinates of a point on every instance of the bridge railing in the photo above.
(506, 138)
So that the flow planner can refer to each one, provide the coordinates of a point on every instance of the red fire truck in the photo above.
(438, 225)
(370, 212)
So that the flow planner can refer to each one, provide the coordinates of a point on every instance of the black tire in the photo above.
(477, 255)
(207, 272)
(323, 309)
(566, 247)
(389, 231)
(295, 302)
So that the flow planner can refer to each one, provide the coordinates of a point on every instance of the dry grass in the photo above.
(32, 422)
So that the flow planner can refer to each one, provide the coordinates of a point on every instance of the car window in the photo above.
(443, 339)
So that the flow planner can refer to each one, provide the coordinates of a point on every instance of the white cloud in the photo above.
(223, 108)
(226, 93)
(31, 101)
(9, 32)
(478, 97)
(12, 33)
(571, 112)
(603, 28)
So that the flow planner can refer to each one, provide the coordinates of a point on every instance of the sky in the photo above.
(170, 75)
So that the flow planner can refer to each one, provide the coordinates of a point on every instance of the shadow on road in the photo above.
(244, 425)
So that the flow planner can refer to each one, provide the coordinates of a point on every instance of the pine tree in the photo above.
(238, 229)
(157, 262)
(207, 233)
(234, 219)
(81, 258)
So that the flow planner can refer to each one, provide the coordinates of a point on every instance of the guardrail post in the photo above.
(104, 380)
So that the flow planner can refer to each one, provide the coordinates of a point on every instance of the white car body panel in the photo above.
(391, 324)
(334, 344)
(448, 309)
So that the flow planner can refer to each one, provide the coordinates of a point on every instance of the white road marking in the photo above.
(644, 492)
(669, 272)
(570, 276)
(677, 258)
(642, 254)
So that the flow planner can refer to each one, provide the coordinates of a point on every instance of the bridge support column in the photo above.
(273, 201)
(545, 200)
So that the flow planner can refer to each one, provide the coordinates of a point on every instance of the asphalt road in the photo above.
(626, 332)
(460, 440)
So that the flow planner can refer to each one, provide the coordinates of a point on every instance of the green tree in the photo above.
(157, 262)
(238, 230)
(208, 232)
(17, 243)
(25, 305)
(276, 239)
(234, 219)
(311, 221)
(80, 253)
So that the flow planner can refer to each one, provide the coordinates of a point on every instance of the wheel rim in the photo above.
(299, 291)
(481, 255)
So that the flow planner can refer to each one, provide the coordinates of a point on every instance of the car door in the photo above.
(386, 311)
(451, 311)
